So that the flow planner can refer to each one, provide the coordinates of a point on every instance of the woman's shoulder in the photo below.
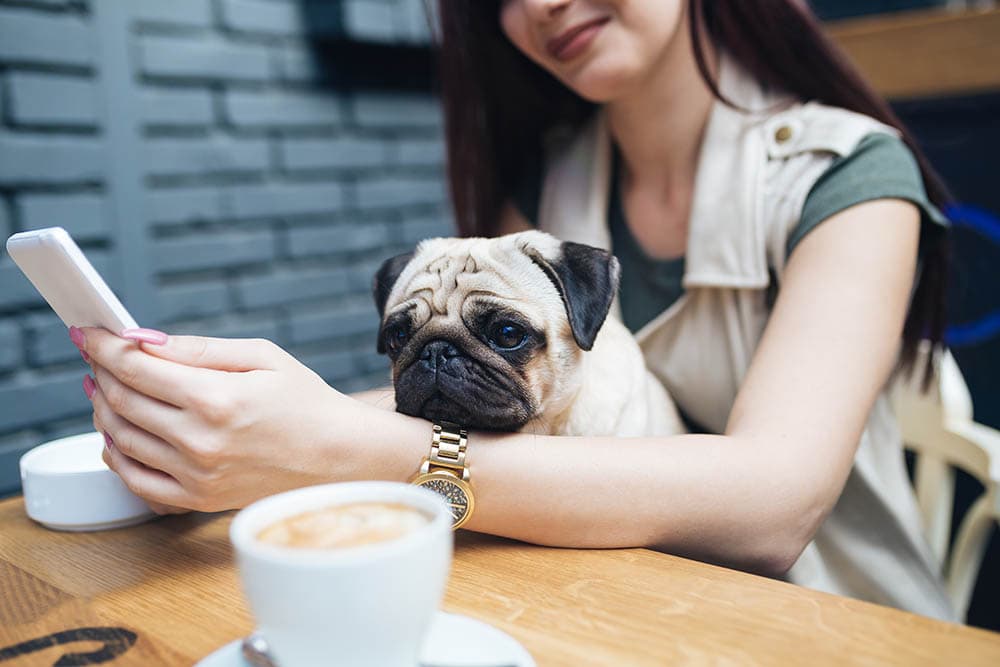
(881, 166)
(812, 127)
(825, 159)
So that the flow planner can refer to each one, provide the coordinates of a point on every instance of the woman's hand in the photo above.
(212, 424)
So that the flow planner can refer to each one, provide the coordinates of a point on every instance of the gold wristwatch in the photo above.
(445, 471)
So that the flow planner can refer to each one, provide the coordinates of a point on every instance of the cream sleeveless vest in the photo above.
(754, 174)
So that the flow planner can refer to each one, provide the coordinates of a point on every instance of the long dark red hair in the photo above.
(499, 107)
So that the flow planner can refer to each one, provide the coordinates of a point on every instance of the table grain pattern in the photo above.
(172, 585)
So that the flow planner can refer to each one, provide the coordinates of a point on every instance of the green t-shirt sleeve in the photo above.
(881, 167)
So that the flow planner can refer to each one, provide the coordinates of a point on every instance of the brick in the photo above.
(42, 400)
(11, 449)
(284, 288)
(415, 20)
(420, 152)
(84, 216)
(235, 328)
(184, 205)
(37, 37)
(371, 361)
(251, 201)
(388, 110)
(48, 99)
(339, 153)
(11, 349)
(398, 191)
(418, 229)
(50, 159)
(176, 107)
(264, 16)
(205, 155)
(370, 21)
(288, 109)
(6, 224)
(366, 382)
(15, 290)
(365, 270)
(48, 341)
(297, 64)
(201, 59)
(348, 237)
(67, 427)
(331, 366)
(311, 327)
(191, 301)
(204, 251)
(192, 13)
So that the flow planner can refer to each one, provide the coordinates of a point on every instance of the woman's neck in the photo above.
(658, 126)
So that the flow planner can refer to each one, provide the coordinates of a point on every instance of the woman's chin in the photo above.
(601, 83)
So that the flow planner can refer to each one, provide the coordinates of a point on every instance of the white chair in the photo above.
(937, 426)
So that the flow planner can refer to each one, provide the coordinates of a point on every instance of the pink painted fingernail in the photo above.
(89, 386)
(108, 442)
(151, 336)
(79, 340)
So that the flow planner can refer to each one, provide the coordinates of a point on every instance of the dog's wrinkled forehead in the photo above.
(443, 275)
(443, 272)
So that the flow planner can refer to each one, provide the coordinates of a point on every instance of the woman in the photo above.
(676, 132)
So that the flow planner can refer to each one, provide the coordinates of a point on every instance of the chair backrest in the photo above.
(937, 426)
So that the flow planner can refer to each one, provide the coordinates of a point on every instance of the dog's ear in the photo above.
(587, 280)
(386, 277)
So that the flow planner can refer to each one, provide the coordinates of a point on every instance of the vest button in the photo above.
(783, 134)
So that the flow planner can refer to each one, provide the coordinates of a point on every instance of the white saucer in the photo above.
(453, 640)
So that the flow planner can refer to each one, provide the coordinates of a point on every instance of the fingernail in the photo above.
(89, 386)
(151, 336)
(108, 442)
(79, 340)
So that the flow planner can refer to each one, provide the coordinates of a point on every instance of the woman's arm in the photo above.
(381, 397)
(754, 497)
(751, 498)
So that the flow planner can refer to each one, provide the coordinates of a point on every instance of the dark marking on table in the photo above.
(116, 642)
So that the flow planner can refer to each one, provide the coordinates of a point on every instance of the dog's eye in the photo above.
(395, 338)
(507, 335)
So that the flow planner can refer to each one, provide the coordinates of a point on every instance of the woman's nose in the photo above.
(546, 10)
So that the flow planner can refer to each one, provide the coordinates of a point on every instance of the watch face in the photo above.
(454, 495)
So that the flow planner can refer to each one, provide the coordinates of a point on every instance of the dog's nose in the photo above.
(436, 352)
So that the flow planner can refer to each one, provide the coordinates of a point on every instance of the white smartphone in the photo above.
(58, 269)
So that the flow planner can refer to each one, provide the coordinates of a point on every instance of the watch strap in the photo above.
(448, 448)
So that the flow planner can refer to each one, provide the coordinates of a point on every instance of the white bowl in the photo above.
(67, 486)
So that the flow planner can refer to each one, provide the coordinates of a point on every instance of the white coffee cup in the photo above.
(364, 606)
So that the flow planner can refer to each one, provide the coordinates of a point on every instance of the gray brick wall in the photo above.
(189, 148)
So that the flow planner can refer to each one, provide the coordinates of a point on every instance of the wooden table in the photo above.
(171, 588)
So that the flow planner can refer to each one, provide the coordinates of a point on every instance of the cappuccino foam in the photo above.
(345, 526)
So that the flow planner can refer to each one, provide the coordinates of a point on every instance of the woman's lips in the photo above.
(571, 43)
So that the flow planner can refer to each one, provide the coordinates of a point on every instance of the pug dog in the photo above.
(512, 333)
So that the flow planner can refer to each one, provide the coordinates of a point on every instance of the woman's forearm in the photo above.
(713, 497)
(710, 497)
(381, 397)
